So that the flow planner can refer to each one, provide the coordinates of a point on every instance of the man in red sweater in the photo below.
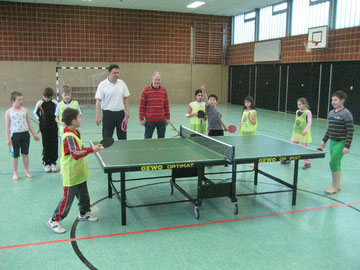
(154, 111)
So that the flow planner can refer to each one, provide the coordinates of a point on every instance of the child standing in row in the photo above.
(66, 102)
(302, 128)
(17, 125)
(248, 121)
(44, 112)
(340, 132)
(75, 172)
(196, 123)
(216, 125)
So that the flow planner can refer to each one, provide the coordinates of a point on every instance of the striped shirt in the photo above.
(154, 104)
(214, 118)
(340, 126)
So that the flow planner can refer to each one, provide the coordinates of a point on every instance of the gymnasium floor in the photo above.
(320, 232)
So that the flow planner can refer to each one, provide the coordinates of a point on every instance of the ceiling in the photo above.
(211, 7)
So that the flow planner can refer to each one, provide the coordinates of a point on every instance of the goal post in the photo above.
(82, 80)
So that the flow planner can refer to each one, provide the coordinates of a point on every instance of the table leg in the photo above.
(295, 179)
(109, 185)
(123, 199)
(233, 183)
(256, 170)
(199, 190)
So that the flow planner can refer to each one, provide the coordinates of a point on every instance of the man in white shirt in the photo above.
(112, 97)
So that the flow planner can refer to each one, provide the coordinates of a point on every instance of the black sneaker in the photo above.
(285, 162)
(307, 166)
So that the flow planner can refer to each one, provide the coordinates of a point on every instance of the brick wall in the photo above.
(343, 45)
(36, 32)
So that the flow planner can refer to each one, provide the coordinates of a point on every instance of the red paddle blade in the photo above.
(107, 142)
(320, 149)
(232, 128)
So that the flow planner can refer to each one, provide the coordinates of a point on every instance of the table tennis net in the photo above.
(222, 148)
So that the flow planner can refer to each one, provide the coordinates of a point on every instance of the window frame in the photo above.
(315, 2)
(280, 11)
(250, 19)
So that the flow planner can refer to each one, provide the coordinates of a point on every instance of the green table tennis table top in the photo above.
(169, 153)
(264, 148)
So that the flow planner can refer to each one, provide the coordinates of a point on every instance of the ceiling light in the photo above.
(195, 4)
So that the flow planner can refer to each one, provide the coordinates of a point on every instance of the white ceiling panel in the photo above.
(211, 7)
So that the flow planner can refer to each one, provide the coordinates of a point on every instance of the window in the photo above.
(279, 8)
(250, 16)
(314, 2)
(348, 13)
(244, 28)
(307, 14)
(272, 22)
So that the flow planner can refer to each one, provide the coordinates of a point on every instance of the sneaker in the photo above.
(307, 166)
(285, 162)
(53, 168)
(47, 168)
(87, 216)
(56, 226)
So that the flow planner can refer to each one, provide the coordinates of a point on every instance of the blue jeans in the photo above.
(150, 127)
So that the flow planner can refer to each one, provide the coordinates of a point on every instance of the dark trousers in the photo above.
(79, 191)
(213, 133)
(49, 137)
(150, 127)
(112, 120)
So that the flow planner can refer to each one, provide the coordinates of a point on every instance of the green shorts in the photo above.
(336, 152)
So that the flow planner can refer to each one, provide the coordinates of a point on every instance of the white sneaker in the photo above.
(87, 216)
(53, 168)
(47, 168)
(56, 226)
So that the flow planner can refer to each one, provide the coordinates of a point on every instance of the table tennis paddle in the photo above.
(107, 142)
(232, 129)
(320, 149)
(124, 124)
(201, 114)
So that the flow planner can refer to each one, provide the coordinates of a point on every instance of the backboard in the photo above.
(319, 35)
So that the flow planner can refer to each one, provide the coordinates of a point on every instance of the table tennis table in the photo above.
(188, 156)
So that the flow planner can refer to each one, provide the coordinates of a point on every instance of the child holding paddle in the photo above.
(302, 128)
(216, 125)
(340, 132)
(75, 172)
(196, 113)
(17, 126)
(248, 120)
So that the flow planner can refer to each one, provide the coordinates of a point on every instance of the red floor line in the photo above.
(176, 227)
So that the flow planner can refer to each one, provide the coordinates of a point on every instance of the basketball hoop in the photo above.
(309, 45)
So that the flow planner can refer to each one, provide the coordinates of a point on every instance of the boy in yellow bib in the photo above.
(75, 172)
(67, 102)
